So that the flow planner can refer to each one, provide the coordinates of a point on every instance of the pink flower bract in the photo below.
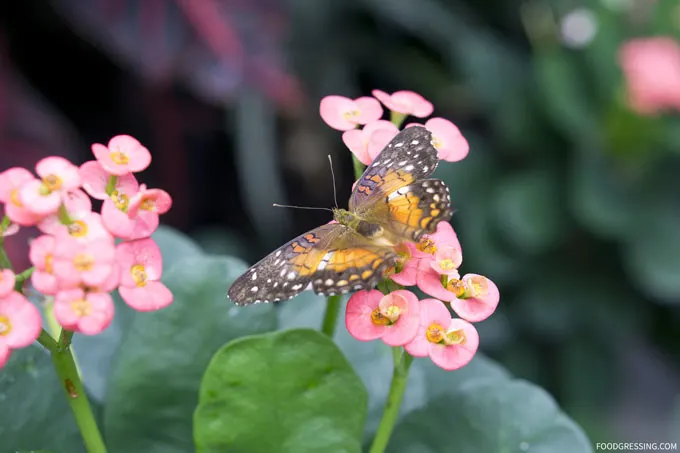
(123, 155)
(480, 301)
(141, 267)
(406, 102)
(446, 137)
(83, 263)
(7, 280)
(11, 181)
(85, 229)
(20, 321)
(455, 356)
(446, 261)
(77, 205)
(58, 174)
(41, 255)
(88, 313)
(95, 179)
(343, 113)
(367, 143)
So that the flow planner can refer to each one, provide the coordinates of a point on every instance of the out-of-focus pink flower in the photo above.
(83, 263)
(41, 255)
(447, 138)
(77, 205)
(7, 280)
(20, 324)
(394, 317)
(406, 102)
(58, 174)
(651, 67)
(86, 229)
(367, 143)
(123, 155)
(141, 267)
(135, 217)
(477, 298)
(37, 199)
(343, 113)
(11, 181)
(450, 343)
(95, 179)
(84, 312)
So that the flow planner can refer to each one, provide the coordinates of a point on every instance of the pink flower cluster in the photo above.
(346, 115)
(423, 327)
(651, 67)
(76, 259)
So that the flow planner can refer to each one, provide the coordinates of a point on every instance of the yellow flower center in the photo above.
(14, 197)
(77, 229)
(138, 274)
(52, 182)
(119, 157)
(392, 313)
(436, 142)
(434, 333)
(147, 204)
(81, 307)
(427, 245)
(120, 200)
(5, 325)
(456, 286)
(378, 318)
(351, 115)
(455, 337)
(478, 286)
(48, 263)
(83, 261)
(447, 264)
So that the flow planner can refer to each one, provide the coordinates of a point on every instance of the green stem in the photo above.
(402, 363)
(21, 278)
(358, 167)
(64, 218)
(330, 318)
(75, 394)
(111, 184)
(397, 118)
(5, 263)
(47, 341)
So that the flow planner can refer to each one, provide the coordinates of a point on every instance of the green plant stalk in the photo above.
(21, 278)
(75, 393)
(402, 363)
(330, 317)
(111, 184)
(397, 118)
(5, 263)
(47, 341)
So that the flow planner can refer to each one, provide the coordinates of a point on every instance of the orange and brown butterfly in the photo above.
(391, 204)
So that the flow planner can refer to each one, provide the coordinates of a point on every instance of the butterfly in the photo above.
(391, 203)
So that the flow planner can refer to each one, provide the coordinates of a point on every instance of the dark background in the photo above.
(568, 200)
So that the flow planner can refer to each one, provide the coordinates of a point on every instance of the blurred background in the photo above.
(569, 199)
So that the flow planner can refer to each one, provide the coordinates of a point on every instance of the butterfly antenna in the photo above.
(335, 191)
(299, 207)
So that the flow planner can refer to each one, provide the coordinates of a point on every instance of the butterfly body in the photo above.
(390, 204)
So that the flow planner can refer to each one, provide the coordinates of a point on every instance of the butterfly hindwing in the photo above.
(410, 156)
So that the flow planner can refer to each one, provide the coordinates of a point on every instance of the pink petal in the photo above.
(379, 140)
(139, 157)
(24, 318)
(31, 196)
(415, 104)
(116, 221)
(100, 317)
(358, 320)
(95, 179)
(444, 235)
(144, 225)
(476, 309)
(418, 347)
(432, 311)
(40, 248)
(63, 308)
(159, 200)
(110, 283)
(142, 251)
(333, 109)
(44, 282)
(453, 357)
(450, 143)
(77, 205)
(354, 140)
(7, 280)
(152, 296)
(21, 216)
(5, 353)
(430, 282)
(405, 328)
(450, 256)
(12, 178)
(62, 168)
(369, 109)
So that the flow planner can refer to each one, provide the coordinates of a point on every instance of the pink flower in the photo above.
(141, 266)
(410, 256)
(450, 343)
(58, 174)
(367, 143)
(38, 199)
(435, 284)
(135, 217)
(95, 179)
(11, 181)
(406, 102)
(41, 255)
(477, 300)
(123, 155)
(343, 113)
(87, 313)
(446, 261)
(446, 137)
(7, 280)
(651, 67)
(85, 229)
(86, 263)
(394, 317)
(20, 324)
(77, 205)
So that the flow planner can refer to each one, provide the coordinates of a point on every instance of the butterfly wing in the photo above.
(410, 156)
(393, 193)
(331, 258)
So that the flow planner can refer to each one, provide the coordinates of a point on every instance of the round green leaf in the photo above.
(290, 391)
(175, 246)
(155, 380)
(490, 416)
(35, 411)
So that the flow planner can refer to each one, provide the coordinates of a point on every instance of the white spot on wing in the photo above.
(408, 168)
(291, 275)
(254, 289)
(415, 142)
(296, 287)
(329, 282)
(398, 145)
(254, 277)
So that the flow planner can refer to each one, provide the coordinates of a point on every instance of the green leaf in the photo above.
(95, 354)
(290, 391)
(488, 415)
(155, 380)
(35, 411)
